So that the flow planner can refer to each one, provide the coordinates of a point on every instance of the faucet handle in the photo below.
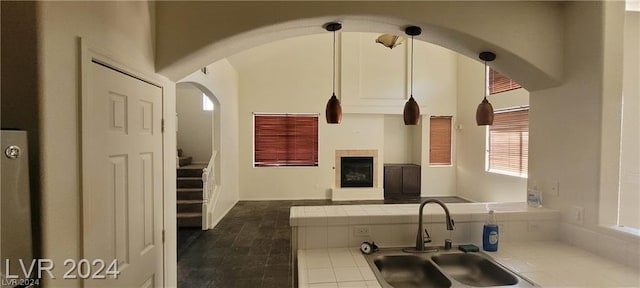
(428, 238)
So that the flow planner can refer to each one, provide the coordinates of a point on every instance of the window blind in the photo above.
(500, 83)
(509, 142)
(285, 140)
(440, 140)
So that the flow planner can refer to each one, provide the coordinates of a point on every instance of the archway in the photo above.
(198, 138)
(529, 51)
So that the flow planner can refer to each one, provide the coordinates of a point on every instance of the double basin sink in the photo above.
(443, 268)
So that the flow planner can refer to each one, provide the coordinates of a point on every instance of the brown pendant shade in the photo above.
(333, 113)
(484, 113)
(411, 112)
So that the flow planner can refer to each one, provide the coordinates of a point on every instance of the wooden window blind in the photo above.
(285, 140)
(509, 142)
(440, 140)
(500, 83)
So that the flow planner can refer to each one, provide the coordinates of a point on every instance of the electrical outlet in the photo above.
(534, 227)
(577, 214)
(555, 188)
(361, 230)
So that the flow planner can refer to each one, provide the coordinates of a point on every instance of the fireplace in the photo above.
(356, 172)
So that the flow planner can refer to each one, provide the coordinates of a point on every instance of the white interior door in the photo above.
(122, 177)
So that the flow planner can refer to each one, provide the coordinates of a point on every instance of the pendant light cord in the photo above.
(411, 66)
(334, 62)
(485, 85)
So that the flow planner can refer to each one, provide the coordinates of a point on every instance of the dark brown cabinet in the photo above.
(401, 180)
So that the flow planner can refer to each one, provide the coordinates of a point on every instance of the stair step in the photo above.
(189, 220)
(189, 194)
(189, 206)
(189, 172)
(189, 182)
(184, 160)
(189, 202)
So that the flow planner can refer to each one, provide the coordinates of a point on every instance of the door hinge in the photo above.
(163, 232)
(162, 125)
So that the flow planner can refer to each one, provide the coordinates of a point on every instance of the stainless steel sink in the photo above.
(444, 268)
(474, 270)
(410, 271)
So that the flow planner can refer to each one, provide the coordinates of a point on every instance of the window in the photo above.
(508, 142)
(285, 140)
(499, 83)
(440, 140)
(207, 105)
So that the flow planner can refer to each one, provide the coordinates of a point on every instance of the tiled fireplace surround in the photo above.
(361, 193)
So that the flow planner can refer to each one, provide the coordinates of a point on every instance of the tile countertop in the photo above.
(549, 264)
(407, 213)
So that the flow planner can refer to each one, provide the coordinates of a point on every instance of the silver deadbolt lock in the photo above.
(13, 152)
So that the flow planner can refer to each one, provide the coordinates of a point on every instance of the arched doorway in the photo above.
(198, 145)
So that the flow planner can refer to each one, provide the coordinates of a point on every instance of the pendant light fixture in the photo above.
(411, 109)
(484, 113)
(389, 40)
(333, 112)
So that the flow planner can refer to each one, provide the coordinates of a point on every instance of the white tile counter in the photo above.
(554, 264)
(528, 243)
(336, 267)
(547, 263)
(395, 225)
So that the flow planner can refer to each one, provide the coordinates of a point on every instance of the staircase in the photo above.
(189, 192)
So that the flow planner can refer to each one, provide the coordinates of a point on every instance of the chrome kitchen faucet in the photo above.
(420, 240)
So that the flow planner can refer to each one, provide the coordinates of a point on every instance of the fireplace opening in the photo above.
(356, 172)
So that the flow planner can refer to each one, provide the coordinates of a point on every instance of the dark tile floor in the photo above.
(250, 247)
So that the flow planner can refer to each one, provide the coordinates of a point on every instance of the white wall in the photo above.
(125, 32)
(473, 181)
(399, 141)
(630, 142)
(194, 124)
(222, 82)
(567, 124)
(294, 76)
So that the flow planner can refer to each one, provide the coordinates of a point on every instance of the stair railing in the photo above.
(209, 188)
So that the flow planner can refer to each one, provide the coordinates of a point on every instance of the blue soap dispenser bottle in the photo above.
(490, 233)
